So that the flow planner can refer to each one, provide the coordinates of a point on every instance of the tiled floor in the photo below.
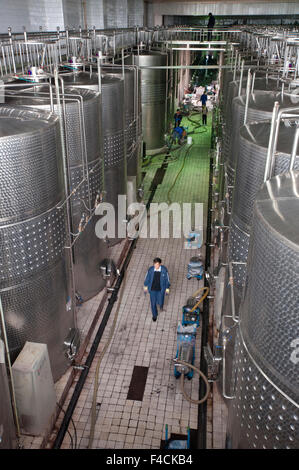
(137, 340)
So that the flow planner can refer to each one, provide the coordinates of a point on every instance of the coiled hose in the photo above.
(196, 402)
(207, 290)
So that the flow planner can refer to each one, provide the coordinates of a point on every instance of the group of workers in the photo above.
(179, 132)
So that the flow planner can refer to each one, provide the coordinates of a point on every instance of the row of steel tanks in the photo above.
(40, 239)
(247, 113)
(66, 145)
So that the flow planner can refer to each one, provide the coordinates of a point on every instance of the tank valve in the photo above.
(72, 343)
(98, 200)
(79, 367)
(82, 223)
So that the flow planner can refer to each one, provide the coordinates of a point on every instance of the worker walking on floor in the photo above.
(204, 114)
(204, 98)
(178, 118)
(157, 284)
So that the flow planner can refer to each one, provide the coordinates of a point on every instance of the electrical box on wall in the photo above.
(34, 388)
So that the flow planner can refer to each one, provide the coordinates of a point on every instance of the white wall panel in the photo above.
(32, 14)
(95, 13)
(135, 13)
(52, 13)
(115, 13)
(73, 13)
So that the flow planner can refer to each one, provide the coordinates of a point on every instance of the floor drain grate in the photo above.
(137, 385)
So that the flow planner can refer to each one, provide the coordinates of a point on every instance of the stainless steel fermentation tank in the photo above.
(34, 287)
(84, 153)
(251, 144)
(260, 84)
(113, 122)
(265, 410)
(251, 156)
(133, 117)
(113, 132)
(153, 96)
(260, 107)
(227, 158)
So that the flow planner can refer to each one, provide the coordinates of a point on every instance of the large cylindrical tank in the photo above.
(260, 107)
(153, 96)
(260, 83)
(113, 131)
(113, 123)
(35, 292)
(88, 249)
(252, 155)
(133, 117)
(131, 106)
(253, 147)
(265, 410)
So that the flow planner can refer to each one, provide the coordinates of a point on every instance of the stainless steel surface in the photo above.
(33, 277)
(153, 96)
(133, 117)
(231, 91)
(80, 79)
(83, 155)
(260, 107)
(251, 143)
(265, 413)
(250, 171)
(113, 124)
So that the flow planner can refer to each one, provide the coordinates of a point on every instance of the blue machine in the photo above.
(177, 443)
(190, 318)
(186, 336)
(194, 240)
(195, 268)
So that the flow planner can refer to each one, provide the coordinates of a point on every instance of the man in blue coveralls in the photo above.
(179, 133)
(157, 284)
(204, 98)
(178, 117)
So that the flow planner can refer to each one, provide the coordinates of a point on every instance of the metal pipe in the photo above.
(99, 59)
(253, 82)
(66, 185)
(228, 397)
(241, 78)
(231, 282)
(276, 116)
(202, 409)
(226, 188)
(271, 140)
(294, 149)
(14, 403)
(247, 95)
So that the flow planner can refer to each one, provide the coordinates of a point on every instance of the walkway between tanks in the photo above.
(138, 341)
